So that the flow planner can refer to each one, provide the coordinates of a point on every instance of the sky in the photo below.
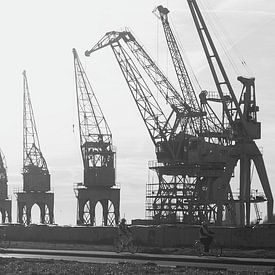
(38, 36)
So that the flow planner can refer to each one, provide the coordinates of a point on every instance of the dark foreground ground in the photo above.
(47, 267)
(32, 266)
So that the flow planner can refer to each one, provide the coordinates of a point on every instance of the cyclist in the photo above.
(206, 236)
(124, 232)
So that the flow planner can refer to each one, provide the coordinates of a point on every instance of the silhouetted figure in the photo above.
(206, 236)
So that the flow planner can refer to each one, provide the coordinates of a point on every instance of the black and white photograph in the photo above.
(137, 137)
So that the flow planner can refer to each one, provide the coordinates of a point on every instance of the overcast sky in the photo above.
(38, 36)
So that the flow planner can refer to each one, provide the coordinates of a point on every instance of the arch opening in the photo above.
(99, 219)
(35, 214)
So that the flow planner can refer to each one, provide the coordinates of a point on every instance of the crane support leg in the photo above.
(259, 163)
(245, 184)
(104, 204)
(224, 188)
(42, 212)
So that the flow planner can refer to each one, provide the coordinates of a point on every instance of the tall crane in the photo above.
(5, 202)
(36, 176)
(98, 155)
(184, 169)
(215, 131)
(242, 118)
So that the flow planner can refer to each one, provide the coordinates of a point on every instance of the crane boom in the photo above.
(31, 147)
(210, 126)
(186, 86)
(158, 125)
(36, 175)
(158, 78)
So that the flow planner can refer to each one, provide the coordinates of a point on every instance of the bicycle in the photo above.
(215, 248)
(121, 242)
(4, 241)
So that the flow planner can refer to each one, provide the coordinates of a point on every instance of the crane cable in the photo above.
(223, 39)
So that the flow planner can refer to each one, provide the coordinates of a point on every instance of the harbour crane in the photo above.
(98, 155)
(36, 176)
(5, 202)
(184, 169)
(242, 117)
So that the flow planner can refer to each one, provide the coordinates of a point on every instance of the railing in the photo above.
(80, 185)
(154, 163)
(255, 195)
(21, 190)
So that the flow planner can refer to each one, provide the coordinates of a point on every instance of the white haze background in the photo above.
(38, 36)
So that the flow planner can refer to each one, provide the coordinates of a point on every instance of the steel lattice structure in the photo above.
(173, 135)
(242, 118)
(36, 176)
(98, 155)
(32, 155)
(5, 202)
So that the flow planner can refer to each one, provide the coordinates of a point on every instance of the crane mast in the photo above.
(98, 155)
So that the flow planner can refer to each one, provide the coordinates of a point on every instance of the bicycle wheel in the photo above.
(215, 250)
(5, 243)
(133, 247)
(198, 247)
(118, 246)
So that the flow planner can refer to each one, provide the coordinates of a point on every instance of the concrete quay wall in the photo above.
(160, 236)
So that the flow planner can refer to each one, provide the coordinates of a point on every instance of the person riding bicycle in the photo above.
(206, 236)
(124, 232)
